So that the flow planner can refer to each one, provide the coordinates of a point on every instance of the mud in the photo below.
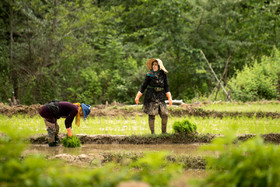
(123, 139)
(154, 139)
(177, 149)
(95, 155)
(132, 111)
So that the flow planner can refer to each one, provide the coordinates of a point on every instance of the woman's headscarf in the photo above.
(150, 61)
(85, 110)
(153, 73)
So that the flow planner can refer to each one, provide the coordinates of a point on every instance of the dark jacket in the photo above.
(152, 83)
(65, 109)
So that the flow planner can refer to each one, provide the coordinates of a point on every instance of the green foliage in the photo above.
(155, 169)
(6, 87)
(94, 52)
(152, 168)
(251, 163)
(35, 170)
(73, 141)
(184, 126)
(259, 81)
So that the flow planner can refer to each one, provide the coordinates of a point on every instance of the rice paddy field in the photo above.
(266, 106)
(138, 125)
(189, 156)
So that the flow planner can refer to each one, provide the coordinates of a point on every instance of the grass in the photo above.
(243, 107)
(139, 125)
(244, 125)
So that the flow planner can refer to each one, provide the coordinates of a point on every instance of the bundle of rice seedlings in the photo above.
(71, 141)
(184, 126)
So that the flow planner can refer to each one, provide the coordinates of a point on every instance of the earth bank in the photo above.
(135, 110)
(154, 139)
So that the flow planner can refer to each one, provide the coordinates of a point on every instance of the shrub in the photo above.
(184, 126)
(259, 81)
(71, 141)
(250, 163)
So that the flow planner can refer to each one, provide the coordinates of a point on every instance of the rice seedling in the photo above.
(243, 125)
(71, 141)
(139, 125)
(243, 107)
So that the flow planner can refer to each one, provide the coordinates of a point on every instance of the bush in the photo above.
(259, 81)
(184, 126)
(250, 163)
(71, 141)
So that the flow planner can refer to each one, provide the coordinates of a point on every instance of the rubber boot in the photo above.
(164, 120)
(56, 133)
(56, 139)
(151, 123)
(52, 144)
(51, 137)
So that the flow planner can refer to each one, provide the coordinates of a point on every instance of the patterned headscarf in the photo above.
(153, 73)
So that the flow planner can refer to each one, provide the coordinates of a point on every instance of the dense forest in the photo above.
(95, 51)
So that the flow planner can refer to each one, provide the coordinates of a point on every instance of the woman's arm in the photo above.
(69, 119)
(145, 84)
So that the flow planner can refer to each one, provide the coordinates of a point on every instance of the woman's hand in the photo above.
(168, 94)
(138, 97)
(69, 132)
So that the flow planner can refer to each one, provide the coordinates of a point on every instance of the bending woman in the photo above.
(54, 110)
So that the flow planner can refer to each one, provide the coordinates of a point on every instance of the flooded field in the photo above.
(96, 154)
(178, 149)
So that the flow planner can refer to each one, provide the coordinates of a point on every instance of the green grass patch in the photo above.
(139, 125)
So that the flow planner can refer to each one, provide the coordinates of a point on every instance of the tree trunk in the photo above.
(226, 93)
(54, 27)
(224, 76)
(13, 74)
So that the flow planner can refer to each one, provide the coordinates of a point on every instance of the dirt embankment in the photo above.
(155, 139)
(121, 110)
(96, 160)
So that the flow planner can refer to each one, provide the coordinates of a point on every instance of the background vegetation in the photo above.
(94, 51)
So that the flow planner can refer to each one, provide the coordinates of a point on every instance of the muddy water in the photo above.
(87, 149)
(178, 149)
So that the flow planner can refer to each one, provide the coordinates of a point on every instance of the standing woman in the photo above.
(54, 110)
(157, 86)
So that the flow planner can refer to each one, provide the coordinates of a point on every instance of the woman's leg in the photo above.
(56, 132)
(151, 123)
(163, 112)
(164, 120)
(51, 128)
